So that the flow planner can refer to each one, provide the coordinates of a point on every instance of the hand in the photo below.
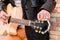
(4, 17)
(43, 15)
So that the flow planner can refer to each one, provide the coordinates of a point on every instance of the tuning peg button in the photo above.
(36, 30)
(40, 28)
(39, 32)
(42, 32)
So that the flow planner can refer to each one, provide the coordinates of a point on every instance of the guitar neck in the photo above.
(21, 21)
(44, 27)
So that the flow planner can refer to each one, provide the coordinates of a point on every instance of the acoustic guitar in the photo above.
(16, 19)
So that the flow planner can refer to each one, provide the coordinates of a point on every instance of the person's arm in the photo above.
(46, 9)
(49, 5)
(3, 15)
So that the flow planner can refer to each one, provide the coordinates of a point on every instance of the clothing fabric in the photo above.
(32, 35)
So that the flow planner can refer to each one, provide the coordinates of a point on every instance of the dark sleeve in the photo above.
(3, 4)
(49, 5)
(6, 2)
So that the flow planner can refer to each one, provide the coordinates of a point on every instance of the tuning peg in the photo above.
(36, 30)
(39, 31)
(37, 27)
(40, 28)
(42, 32)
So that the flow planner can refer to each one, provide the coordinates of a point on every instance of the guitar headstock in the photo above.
(41, 26)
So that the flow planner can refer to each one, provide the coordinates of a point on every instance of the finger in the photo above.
(4, 16)
(3, 19)
(39, 17)
(47, 16)
(42, 16)
(4, 13)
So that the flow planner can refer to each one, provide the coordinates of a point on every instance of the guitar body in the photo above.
(12, 27)
(20, 35)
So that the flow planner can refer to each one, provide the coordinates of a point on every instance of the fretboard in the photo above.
(21, 21)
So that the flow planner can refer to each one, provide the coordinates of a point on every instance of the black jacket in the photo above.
(48, 5)
(44, 4)
(32, 7)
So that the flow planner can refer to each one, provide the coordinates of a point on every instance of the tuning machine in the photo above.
(36, 30)
(40, 28)
(39, 31)
(42, 33)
